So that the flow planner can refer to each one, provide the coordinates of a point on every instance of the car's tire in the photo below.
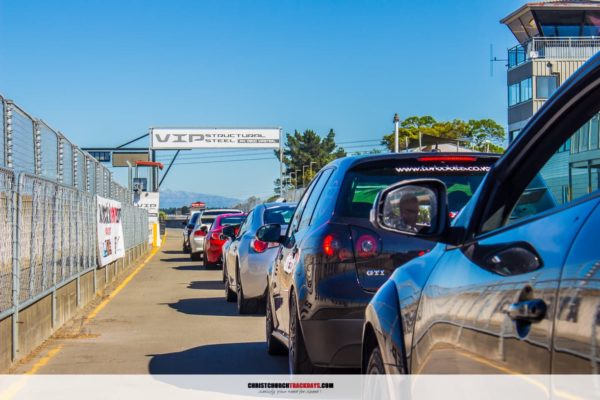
(186, 249)
(375, 363)
(229, 294)
(224, 268)
(196, 256)
(298, 360)
(244, 306)
(274, 346)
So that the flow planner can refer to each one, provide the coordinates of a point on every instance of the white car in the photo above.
(202, 226)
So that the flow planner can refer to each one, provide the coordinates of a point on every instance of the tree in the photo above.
(482, 135)
(185, 210)
(305, 148)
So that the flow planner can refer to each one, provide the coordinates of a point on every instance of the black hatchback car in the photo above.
(332, 260)
(513, 286)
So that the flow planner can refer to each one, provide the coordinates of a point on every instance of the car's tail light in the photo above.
(336, 247)
(260, 247)
(200, 232)
(366, 246)
(367, 243)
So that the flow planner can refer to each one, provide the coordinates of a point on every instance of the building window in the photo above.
(594, 133)
(566, 146)
(526, 90)
(545, 86)
(513, 94)
(520, 92)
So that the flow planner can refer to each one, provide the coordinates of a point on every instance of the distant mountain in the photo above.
(178, 198)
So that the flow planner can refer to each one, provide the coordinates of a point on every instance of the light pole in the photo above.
(396, 120)
(297, 177)
(310, 169)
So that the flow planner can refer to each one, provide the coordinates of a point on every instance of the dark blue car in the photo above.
(513, 285)
(332, 260)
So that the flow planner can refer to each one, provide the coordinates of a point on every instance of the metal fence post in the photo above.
(37, 148)
(16, 202)
(32, 261)
(54, 252)
(9, 135)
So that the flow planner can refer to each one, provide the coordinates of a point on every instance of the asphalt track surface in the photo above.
(171, 317)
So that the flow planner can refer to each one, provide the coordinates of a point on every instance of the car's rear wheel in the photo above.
(244, 306)
(299, 362)
(224, 266)
(229, 294)
(274, 346)
(195, 256)
(375, 364)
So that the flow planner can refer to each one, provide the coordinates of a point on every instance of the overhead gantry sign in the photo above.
(211, 138)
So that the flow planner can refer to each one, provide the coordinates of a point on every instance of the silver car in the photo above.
(246, 260)
(202, 225)
(188, 227)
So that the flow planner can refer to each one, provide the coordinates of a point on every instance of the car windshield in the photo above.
(194, 219)
(361, 186)
(208, 217)
(279, 215)
(233, 220)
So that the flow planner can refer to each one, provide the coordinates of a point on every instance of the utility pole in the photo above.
(396, 121)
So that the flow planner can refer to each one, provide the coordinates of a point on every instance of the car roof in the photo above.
(221, 216)
(279, 204)
(352, 161)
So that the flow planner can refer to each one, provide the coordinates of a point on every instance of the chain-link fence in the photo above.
(48, 207)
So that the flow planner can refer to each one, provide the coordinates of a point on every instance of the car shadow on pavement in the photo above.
(228, 358)
(194, 267)
(216, 306)
(179, 259)
(206, 285)
(172, 252)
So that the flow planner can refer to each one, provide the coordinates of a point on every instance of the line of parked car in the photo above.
(437, 262)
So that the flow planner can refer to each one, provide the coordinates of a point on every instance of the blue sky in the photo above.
(103, 72)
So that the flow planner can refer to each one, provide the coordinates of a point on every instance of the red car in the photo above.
(213, 244)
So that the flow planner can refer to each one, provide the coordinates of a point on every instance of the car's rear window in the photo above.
(279, 215)
(362, 185)
(233, 220)
(208, 217)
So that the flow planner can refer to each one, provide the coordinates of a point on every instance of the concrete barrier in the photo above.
(39, 320)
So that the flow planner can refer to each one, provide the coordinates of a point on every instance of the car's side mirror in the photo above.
(415, 207)
(270, 233)
(228, 231)
(204, 228)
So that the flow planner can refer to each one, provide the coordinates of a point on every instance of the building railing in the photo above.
(553, 48)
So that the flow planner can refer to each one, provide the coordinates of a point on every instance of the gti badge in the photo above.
(375, 272)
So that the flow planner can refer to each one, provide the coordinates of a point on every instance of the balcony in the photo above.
(553, 48)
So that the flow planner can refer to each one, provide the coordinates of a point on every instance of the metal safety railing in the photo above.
(553, 48)
(48, 207)
(49, 236)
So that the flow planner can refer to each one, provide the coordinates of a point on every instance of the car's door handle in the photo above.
(528, 310)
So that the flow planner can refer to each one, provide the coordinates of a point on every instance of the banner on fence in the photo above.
(111, 245)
